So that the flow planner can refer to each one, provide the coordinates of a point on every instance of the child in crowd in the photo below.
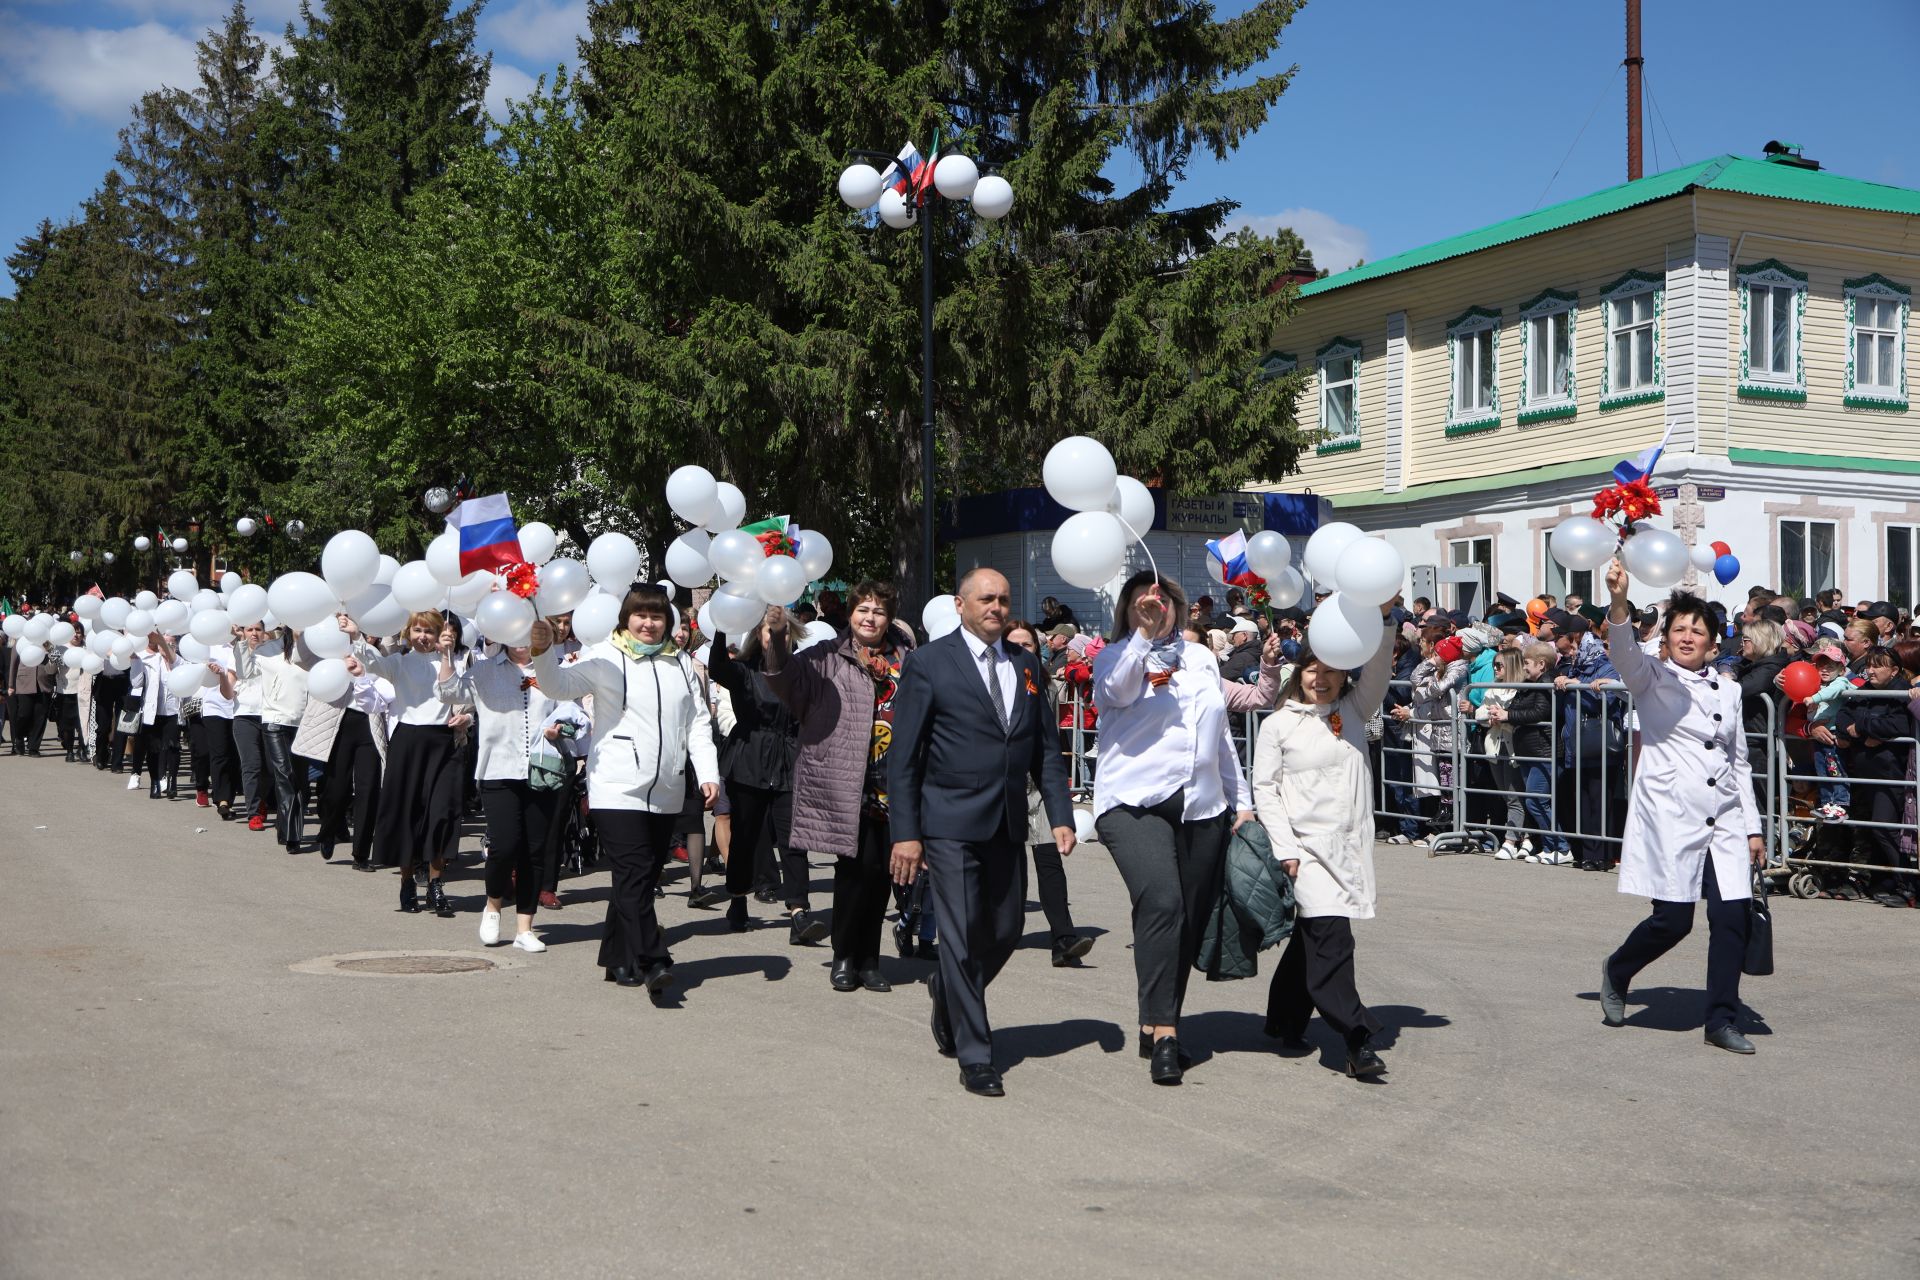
(1494, 703)
(1823, 712)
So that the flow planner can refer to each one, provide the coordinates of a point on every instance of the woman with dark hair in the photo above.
(1313, 790)
(756, 762)
(651, 724)
(159, 714)
(1693, 829)
(841, 695)
(1168, 796)
(1869, 727)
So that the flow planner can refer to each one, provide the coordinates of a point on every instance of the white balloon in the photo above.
(15, 626)
(817, 633)
(327, 640)
(118, 663)
(113, 613)
(123, 647)
(37, 627)
(687, 559)
(894, 210)
(692, 494)
(1084, 832)
(185, 680)
(940, 617)
(268, 622)
(735, 554)
(204, 600)
(1268, 553)
(93, 664)
(1080, 474)
(209, 678)
(1133, 503)
(1322, 556)
(1089, 550)
(146, 600)
(181, 584)
(992, 197)
(328, 680)
(735, 614)
(614, 562)
(1216, 570)
(231, 582)
(565, 583)
(172, 617)
(781, 580)
(376, 612)
(1370, 571)
(1656, 557)
(1703, 557)
(139, 623)
(1285, 588)
(465, 596)
(815, 554)
(730, 508)
(537, 541)
(443, 558)
(192, 650)
(88, 607)
(71, 658)
(415, 587)
(211, 626)
(349, 563)
(1344, 633)
(860, 185)
(955, 176)
(247, 605)
(1581, 543)
(595, 617)
(101, 641)
(29, 653)
(60, 634)
(388, 567)
(300, 600)
(504, 618)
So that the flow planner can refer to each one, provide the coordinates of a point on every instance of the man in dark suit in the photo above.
(970, 726)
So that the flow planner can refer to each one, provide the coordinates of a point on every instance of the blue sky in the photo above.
(1410, 120)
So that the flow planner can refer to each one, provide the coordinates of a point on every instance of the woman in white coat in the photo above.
(651, 727)
(1693, 829)
(1313, 791)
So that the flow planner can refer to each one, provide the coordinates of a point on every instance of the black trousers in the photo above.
(979, 893)
(1050, 878)
(518, 819)
(1603, 809)
(862, 884)
(1172, 868)
(1728, 923)
(161, 741)
(289, 777)
(1316, 972)
(352, 785)
(636, 844)
(216, 736)
(108, 693)
(27, 714)
(1877, 801)
(763, 819)
(563, 800)
(250, 745)
(67, 720)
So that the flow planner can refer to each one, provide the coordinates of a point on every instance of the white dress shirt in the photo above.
(1155, 741)
(978, 648)
(213, 704)
(415, 677)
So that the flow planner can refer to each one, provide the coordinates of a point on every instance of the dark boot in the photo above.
(409, 895)
(437, 896)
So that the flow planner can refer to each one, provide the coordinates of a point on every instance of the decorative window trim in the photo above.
(1764, 386)
(1472, 320)
(1338, 349)
(1627, 286)
(1548, 408)
(1878, 286)
(1277, 364)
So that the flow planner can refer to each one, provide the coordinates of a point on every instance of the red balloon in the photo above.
(1800, 681)
(1721, 549)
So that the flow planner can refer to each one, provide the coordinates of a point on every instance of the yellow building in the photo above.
(1466, 396)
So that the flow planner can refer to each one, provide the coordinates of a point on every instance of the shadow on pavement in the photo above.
(1680, 1009)
(688, 974)
(1014, 1045)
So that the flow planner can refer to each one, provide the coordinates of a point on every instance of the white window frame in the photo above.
(1902, 595)
(1565, 402)
(1769, 384)
(1562, 581)
(1464, 349)
(1613, 394)
(1886, 395)
(1808, 588)
(1458, 590)
(1339, 349)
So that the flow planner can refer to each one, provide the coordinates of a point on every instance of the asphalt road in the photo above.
(177, 1098)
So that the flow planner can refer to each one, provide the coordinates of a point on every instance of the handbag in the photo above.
(1758, 962)
(547, 770)
(128, 722)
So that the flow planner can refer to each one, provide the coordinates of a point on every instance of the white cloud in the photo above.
(210, 13)
(94, 72)
(1335, 245)
(537, 31)
(508, 82)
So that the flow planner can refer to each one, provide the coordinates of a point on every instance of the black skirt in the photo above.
(419, 815)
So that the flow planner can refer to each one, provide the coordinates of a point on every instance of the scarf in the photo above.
(1163, 658)
(624, 641)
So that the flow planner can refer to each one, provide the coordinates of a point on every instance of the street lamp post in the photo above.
(906, 186)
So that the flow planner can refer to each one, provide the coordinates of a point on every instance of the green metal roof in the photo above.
(1739, 174)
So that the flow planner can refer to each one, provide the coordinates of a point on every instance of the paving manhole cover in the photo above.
(403, 964)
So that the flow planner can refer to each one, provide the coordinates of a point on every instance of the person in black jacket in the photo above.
(756, 761)
(1871, 728)
(1396, 745)
(1531, 715)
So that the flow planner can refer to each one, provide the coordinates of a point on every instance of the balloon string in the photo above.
(1137, 537)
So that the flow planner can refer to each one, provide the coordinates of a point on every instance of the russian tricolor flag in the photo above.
(903, 175)
(488, 537)
(1231, 552)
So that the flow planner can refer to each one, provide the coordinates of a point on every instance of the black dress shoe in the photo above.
(1613, 1005)
(1167, 1067)
(658, 975)
(153, 789)
(1067, 951)
(927, 950)
(842, 976)
(903, 941)
(1363, 1061)
(768, 896)
(1146, 1050)
(873, 980)
(708, 898)
(364, 864)
(437, 895)
(737, 916)
(624, 976)
(326, 853)
(982, 1080)
(805, 929)
(942, 1028)
(1730, 1039)
(409, 895)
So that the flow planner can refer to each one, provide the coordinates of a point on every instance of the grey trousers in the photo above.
(1172, 869)
(979, 896)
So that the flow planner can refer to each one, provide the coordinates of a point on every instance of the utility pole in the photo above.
(1634, 63)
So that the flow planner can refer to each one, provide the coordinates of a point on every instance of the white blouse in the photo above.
(415, 678)
(513, 713)
(1155, 741)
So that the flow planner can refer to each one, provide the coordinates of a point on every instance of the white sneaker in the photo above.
(133, 783)
(527, 942)
(1506, 853)
(1422, 843)
(1564, 858)
(489, 927)
(1526, 846)
(1531, 856)
(1397, 838)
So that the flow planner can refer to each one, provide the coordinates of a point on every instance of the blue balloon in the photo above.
(1726, 569)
